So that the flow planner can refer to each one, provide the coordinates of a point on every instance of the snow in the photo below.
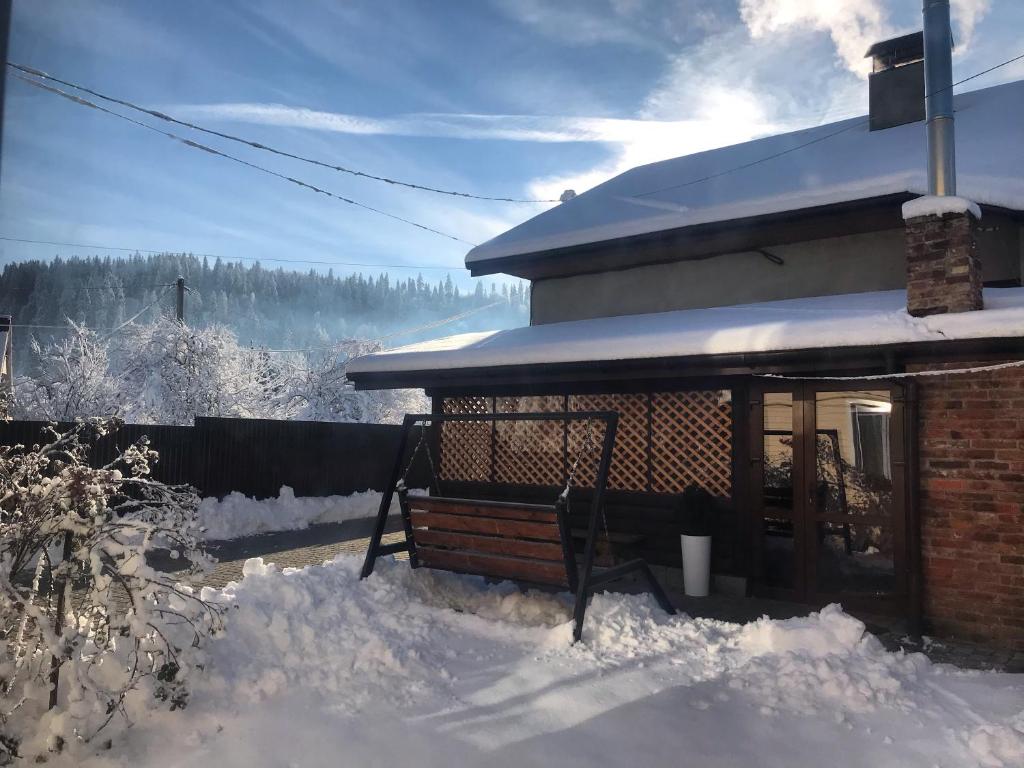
(239, 515)
(933, 205)
(852, 164)
(871, 318)
(318, 668)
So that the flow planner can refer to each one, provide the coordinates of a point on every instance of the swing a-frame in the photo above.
(527, 543)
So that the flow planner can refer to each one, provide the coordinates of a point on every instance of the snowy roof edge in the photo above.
(795, 325)
(901, 184)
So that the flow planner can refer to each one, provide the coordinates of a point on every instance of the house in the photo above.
(797, 326)
(6, 363)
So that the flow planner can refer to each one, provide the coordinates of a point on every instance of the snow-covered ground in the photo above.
(417, 668)
(238, 515)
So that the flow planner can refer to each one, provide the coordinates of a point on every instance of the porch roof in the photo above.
(874, 320)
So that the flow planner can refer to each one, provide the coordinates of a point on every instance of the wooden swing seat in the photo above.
(498, 539)
(530, 543)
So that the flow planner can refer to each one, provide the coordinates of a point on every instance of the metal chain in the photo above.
(412, 458)
(588, 446)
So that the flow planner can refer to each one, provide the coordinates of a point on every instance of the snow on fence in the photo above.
(254, 456)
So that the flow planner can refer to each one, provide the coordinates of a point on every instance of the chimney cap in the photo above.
(897, 51)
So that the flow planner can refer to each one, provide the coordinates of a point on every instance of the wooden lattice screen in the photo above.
(529, 452)
(691, 441)
(466, 445)
(665, 441)
(629, 469)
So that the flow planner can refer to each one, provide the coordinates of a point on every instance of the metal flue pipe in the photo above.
(938, 102)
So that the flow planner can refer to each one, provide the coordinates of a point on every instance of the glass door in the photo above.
(828, 518)
(855, 521)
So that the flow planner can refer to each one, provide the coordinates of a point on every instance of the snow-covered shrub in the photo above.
(85, 622)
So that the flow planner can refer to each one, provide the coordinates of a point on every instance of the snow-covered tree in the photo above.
(166, 372)
(320, 386)
(75, 379)
(85, 622)
(177, 372)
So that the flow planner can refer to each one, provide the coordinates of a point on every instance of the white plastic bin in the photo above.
(696, 565)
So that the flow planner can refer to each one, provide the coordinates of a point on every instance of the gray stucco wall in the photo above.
(848, 264)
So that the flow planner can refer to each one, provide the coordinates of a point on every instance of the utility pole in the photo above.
(179, 310)
(5, 29)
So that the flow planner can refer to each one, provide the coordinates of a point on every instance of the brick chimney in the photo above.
(943, 271)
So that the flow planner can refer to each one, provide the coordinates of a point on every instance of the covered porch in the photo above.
(809, 481)
(797, 416)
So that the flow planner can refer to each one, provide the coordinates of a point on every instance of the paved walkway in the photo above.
(297, 549)
(318, 543)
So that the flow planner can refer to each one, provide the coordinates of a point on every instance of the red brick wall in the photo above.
(972, 504)
(943, 271)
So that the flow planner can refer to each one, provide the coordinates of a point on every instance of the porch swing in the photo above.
(523, 542)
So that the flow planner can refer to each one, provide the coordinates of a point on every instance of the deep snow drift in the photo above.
(413, 667)
(239, 515)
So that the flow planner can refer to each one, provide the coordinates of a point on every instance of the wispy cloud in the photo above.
(535, 128)
(644, 24)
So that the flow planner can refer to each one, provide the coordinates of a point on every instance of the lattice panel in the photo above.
(466, 445)
(692, 441)
(529, 452)
(629, 457)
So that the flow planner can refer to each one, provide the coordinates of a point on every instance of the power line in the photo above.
(235, 258)
(216, 152)
(752, 163)
(257, 145)
(816, 140)
(403, 332)
(138, 314)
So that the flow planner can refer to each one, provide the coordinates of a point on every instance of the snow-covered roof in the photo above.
(853, 164)
(848, 320)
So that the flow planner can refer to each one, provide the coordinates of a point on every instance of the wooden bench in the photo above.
(490, 538)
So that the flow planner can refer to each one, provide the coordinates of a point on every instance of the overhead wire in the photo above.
(218, 153)
(138, 314)
(402, 332)
(265, 147)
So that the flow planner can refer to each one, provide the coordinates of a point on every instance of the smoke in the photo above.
(853, 25)
(966, 15)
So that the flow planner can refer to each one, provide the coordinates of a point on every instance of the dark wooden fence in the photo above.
(254, 456)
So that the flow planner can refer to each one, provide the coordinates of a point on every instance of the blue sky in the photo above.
(496, 97)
